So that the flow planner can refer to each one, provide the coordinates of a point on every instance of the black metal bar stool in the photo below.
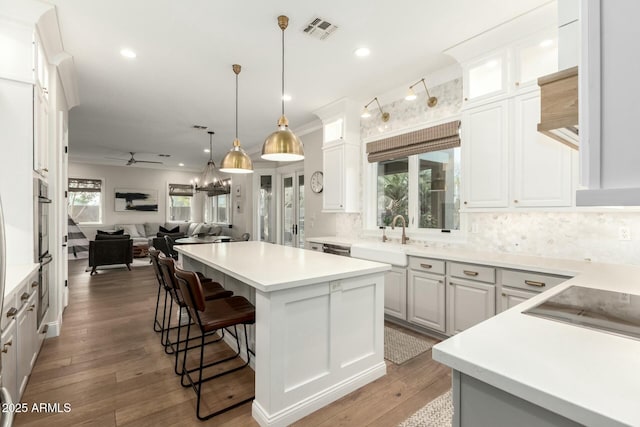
(212, 290)
(211, 316)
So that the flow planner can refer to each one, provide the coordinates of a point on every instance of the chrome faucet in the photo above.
(404, 224)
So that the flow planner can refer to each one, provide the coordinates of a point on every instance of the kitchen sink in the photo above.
(382, 252)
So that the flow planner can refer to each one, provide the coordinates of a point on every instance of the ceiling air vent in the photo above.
(320, 29)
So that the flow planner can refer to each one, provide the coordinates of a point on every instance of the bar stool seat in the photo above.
(222, 313)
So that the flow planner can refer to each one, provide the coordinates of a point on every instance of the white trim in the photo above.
(589, 95)
(53, 328)
(295, 412)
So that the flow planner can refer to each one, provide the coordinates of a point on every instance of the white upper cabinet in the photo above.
(542, 168)
(341, 158)
(486, 77)
(485, 155)
(511, 69)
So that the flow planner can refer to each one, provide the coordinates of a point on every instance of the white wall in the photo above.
(317, 223)
(132, 177)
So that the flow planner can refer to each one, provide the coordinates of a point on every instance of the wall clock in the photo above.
(316, 182)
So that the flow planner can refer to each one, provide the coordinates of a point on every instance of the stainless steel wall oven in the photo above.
(42, 204)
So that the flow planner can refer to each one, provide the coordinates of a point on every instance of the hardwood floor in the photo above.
(108, 364)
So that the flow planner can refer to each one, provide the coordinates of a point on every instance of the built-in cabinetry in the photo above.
(507, 162)
(448, 297)
(471, 295)
(395, 292)
(40, 110)
(21, 340)
(426, 293)
(340, 156)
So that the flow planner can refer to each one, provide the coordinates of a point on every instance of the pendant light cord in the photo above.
(283, 72)
(236, 106)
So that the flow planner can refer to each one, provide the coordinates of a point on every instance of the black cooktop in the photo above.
(606, 311)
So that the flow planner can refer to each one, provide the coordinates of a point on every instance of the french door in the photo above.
(292, 208)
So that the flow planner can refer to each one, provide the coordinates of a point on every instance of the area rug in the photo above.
(437, 413)
(137, 262)
(400, 347)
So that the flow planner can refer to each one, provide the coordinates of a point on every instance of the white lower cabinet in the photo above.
(27, 340)
(512, 297)
(468, 303)
(426, 300)
(10, 359)
(20, 341)
(395, 293)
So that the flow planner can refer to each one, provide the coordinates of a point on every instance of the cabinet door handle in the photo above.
(5, 349)
(24, 296)
(427, 266)
(32, 307)
(534, 283)
(470, 273)
(504, 295)
(34, 284)
(12, 312)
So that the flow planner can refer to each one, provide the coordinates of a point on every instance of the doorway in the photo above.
(292, 208)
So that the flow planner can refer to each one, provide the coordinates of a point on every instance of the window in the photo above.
(219, 209)
(417, 175)
(180, 199)
(85, 200)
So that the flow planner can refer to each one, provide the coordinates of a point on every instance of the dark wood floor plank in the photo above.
(109, 365)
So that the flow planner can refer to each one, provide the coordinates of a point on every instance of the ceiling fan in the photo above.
(133, 161)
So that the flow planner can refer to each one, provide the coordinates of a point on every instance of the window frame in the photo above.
(102, 200)
(369, 194)
(169, 200)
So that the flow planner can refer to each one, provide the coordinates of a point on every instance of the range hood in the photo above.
(559, 106)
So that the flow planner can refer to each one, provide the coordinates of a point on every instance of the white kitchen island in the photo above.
(319, 331)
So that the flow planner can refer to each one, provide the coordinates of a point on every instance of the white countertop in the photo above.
(268, 267)
(17, 275)
(586, 375)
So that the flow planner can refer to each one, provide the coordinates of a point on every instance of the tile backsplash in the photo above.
(571, 235)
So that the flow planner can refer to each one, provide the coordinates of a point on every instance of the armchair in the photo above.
(109, 250)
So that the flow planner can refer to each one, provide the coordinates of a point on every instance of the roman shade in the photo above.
(85, 185)
(180, 190)
(440, 137)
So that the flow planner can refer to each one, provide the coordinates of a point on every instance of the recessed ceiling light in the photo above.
(546, 43)
(206, 150)
(286, 97)
(362, 52)
(180, 164)
(128, 53)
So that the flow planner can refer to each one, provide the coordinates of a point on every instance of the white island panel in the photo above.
(319, 322)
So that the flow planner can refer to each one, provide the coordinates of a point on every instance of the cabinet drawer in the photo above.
(9, 312)
(428, 265)
(528, 280)
(472, 272)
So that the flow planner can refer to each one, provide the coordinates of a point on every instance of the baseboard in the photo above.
(53, 329)
(295, 412)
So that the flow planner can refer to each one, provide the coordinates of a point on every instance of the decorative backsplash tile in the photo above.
(405, 114)
(571, 235)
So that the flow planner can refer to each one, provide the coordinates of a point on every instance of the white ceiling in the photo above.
(182, 75)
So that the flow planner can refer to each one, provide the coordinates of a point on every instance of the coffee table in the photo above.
(140, 250)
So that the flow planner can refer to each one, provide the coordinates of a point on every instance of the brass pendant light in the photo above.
(236, 160)
(283, 145)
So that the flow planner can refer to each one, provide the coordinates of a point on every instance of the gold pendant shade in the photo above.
(236, 160)
(283, 145)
